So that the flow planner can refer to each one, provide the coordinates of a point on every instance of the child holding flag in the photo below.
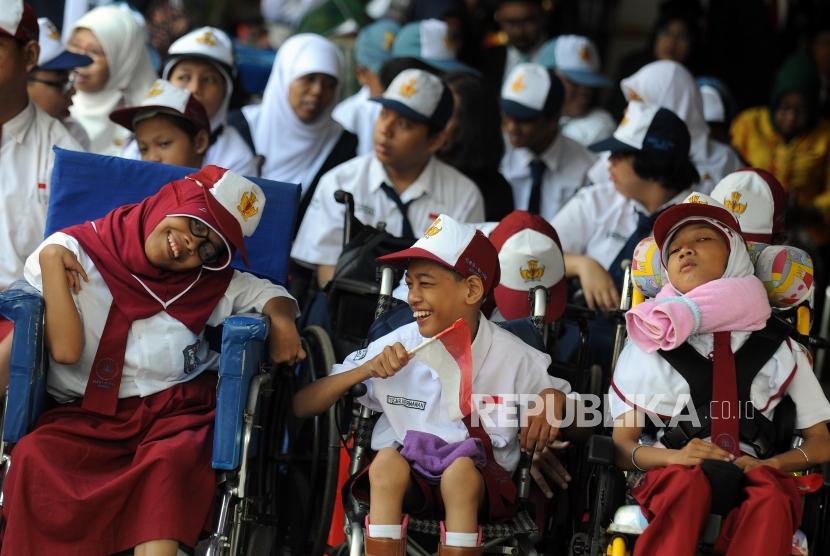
(428, 379)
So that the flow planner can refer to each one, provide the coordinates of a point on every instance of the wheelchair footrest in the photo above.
(522, 524)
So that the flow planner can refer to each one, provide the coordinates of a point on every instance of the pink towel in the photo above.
(726, 304)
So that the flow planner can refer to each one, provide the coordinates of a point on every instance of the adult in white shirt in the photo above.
(576, 62)
(402, 184)
(667, 84)
(128, 297)
(202, 62)
(358, 113)
(120, 74)
(544, 168)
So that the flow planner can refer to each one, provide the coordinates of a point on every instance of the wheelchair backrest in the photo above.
(87, 186)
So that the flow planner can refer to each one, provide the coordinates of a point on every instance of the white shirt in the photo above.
(358, 115)
(591, 128)
(77, 131)
(439, 188)
(26, 159)
(156, 346)
(503, 365)
(567, 165)
(228, 151)
(598, 221)
(640, 375)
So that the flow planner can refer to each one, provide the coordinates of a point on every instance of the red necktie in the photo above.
(104, 383)
(725, 410)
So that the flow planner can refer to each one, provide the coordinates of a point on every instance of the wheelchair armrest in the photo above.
(601, 450)
(23, 305)
(243, 349)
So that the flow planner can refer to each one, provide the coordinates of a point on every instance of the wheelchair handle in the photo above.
(346, 198)
(358, 390)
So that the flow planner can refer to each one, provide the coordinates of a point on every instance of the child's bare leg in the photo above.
(161, 547)
(462, 489)
(388, 481)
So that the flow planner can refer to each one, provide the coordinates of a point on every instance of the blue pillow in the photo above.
(87, 186)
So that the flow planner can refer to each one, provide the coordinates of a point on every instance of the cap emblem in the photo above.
(247, 205)
(585, 54)
(53, 32)
(155, 90)
(388, 40)
(734, 205)
(519, 84)
(433, 229)
(408, 89)
(696, 199)
(533, 272)
(207, 38)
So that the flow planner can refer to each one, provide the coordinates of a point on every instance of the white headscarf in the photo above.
(294, 151)
(131, 75)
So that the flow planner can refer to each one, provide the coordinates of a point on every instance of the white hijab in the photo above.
(131, 75)
(294, 151)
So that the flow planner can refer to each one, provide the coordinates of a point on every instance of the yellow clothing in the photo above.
(802, 165)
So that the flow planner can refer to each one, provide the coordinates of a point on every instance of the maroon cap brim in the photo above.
(671, 216)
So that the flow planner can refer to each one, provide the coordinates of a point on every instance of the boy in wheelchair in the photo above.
(123, 460)
(713, 304)
(450, 271)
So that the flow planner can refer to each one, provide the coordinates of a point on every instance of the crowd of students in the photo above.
(437, 146)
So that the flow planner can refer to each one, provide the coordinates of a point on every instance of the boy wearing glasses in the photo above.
(51, 84)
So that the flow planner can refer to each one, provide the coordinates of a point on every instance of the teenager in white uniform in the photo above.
(202, 62)
(358, 113)
(292, 127)
(120, 74)
(544, 167)
(402, 174)
(50, 84)
(449, 273)
(705, 258)
(576, 62)
(669, 85)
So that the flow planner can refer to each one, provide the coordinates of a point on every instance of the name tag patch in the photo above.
(406, 402)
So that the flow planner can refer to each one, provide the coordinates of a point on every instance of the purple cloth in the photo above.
(430, 455)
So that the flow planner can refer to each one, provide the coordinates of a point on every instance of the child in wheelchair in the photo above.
(123, 459)
(464, 466)
(708, 363)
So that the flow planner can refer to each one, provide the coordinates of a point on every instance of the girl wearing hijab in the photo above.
(202, 62)
(293, 128)
(120, 74)
(706, 262)
(668, 84)
(123, 461)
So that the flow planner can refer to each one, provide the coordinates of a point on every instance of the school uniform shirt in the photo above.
(640, 375)
(77, 131)
(26, 159)
(439, 188)
(503, 365)
(598, 221)
(358, 114)
(161, 351)
(594, 126)
(228, 151)
(567, 163)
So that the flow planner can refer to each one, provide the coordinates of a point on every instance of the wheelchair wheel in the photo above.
(618, 547)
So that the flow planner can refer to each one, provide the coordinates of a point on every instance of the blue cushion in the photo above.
(87, 186)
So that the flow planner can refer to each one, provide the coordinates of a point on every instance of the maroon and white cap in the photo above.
(18, 20)
(456, 246)
(163, 98)
(235, 202)
(530, 255)
(757, 200)
(694, 206)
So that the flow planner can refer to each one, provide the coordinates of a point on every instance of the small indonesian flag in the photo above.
(449, 353)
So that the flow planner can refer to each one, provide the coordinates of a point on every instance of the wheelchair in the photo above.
(616, 519)
(250, 431)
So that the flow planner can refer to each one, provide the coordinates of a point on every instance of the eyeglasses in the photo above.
(208, 253)
(65, 86)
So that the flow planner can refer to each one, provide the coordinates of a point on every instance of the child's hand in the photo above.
(543, 427)
(388, 362)
(547, 468)
(748, 463)
(698, 450)
(57, 256)
(284, 344)
(600, 292)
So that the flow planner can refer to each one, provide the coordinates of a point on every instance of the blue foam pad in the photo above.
(243, 348)
(87, 186)
(23, 304)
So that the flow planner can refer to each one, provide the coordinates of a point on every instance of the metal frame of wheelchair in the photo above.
(608, 483)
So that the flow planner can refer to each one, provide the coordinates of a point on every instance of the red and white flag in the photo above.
(449, 353)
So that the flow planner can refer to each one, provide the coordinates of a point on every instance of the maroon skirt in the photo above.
(87, 484)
